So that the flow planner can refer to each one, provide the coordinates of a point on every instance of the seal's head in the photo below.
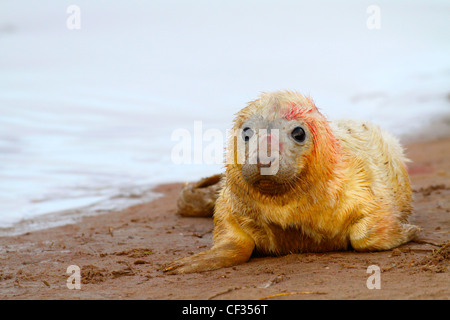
(278, 141)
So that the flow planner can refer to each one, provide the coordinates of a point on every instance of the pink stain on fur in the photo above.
(270, 142)
(297, 112)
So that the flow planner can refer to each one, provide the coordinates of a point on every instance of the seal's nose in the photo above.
(268, 149)
(265, 162)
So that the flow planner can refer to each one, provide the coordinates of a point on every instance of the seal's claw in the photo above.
(191, 264)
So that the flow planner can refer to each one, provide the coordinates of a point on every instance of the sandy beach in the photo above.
(120, 254)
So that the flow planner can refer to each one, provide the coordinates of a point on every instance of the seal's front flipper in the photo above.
(225, 255)
(198, 199)
(232, 246)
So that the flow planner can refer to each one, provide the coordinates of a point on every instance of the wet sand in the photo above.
(120, 254)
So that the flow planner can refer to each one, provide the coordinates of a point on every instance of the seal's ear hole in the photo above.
(298, 134)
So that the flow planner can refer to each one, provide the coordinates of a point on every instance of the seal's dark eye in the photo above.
(298, 134)
(247, 133)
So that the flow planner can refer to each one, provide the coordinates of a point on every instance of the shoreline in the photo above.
(120, 253)
(75, 215)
